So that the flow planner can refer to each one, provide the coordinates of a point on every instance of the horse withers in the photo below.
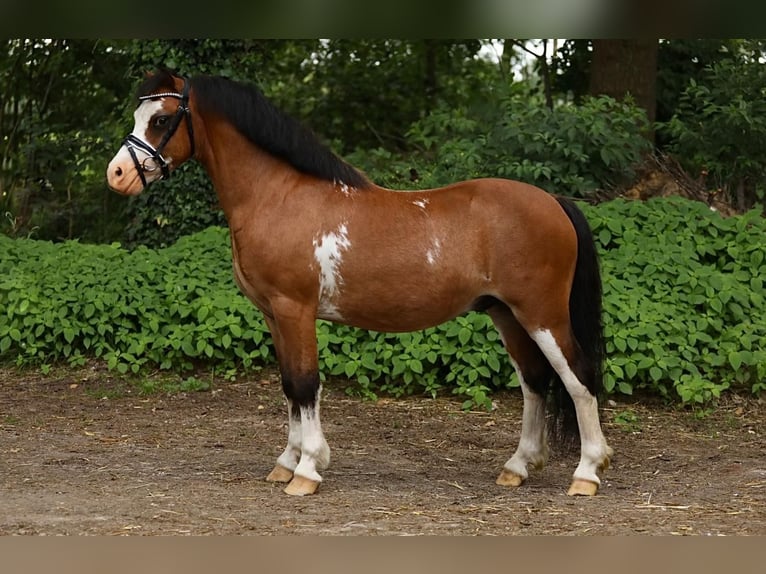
(312, 238)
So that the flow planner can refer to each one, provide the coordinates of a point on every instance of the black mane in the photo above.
(255, 117)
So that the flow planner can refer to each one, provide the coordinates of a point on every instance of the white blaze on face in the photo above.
(328, 253)
(121, 167)
(421, 203)
(142, 116)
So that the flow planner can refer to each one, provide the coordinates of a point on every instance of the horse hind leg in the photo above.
(564, 354)
(534, 373)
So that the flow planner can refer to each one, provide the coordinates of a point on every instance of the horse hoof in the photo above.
(280, 474)
(581, 487)
(508, 478)
(301, 486)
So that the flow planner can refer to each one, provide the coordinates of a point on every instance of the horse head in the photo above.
(156, 146)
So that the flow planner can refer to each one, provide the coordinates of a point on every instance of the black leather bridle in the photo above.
(133, 143)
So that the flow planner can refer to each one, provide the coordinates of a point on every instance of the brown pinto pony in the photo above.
(312, 238)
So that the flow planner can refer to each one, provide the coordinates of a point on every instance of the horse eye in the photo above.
(160, 121)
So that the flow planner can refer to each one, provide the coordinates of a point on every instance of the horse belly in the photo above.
(398, 307)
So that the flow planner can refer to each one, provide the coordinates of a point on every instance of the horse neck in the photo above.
(247, 179)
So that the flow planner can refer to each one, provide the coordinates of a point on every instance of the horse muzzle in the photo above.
(123, 175)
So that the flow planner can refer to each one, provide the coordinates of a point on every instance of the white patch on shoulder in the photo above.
(421, 203)
(432, 255)
(328, 253)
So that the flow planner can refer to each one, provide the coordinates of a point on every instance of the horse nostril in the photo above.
(118, 172)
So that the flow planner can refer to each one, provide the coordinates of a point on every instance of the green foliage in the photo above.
(681, 60)
(719, 129)
(463, 356)
(685, 312)
(56, 127)
(572, 150)
(627, 420)
(165, 212)
(364, 93)
(170, 308)
(684, 299)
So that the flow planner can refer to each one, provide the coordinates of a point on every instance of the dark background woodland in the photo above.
(587, 118)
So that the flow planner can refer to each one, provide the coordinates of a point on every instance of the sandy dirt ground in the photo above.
(85, 452)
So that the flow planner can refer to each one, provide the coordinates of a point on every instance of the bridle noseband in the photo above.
(133, 143)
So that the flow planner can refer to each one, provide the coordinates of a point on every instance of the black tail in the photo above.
(585, 316)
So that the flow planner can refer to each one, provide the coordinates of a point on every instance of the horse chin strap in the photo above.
(133, 143)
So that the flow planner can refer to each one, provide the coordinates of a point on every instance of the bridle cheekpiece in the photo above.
(133, 143)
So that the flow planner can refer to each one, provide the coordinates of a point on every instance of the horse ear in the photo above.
(164, 70)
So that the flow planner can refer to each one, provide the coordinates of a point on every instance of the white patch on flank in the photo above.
(328, 253)
(421, 203)
(434, 251)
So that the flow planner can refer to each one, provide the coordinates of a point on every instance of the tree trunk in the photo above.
(622, 67)
(505, 58)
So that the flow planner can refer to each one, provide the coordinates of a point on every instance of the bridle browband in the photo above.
(133, 143)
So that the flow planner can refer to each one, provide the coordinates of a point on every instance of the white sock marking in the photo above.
(594, 450)
(292, 453)
(532, 448)
(315, 454)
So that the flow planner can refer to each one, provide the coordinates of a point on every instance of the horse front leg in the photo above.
(293, 331)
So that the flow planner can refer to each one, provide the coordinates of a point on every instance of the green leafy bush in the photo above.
(181, 206)
(684, 300)
(168, 308)
(572, 150)
(719, 130)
